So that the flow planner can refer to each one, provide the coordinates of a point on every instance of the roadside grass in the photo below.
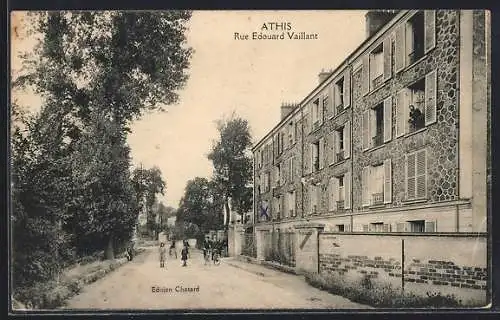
(383, 295)
(53, 294)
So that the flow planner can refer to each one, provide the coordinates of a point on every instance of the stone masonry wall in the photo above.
(439, 139)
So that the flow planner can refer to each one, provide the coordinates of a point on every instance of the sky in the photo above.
(249, 77)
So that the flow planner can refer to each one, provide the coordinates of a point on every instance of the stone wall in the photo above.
(439, 139)
(446, 264)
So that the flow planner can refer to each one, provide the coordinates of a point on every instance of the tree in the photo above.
(231, 158)
(148, 183)
(97, 71)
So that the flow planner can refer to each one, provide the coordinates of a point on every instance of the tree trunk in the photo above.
(228, 212)
(110, 252)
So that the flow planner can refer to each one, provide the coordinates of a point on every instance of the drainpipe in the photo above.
(352, 150)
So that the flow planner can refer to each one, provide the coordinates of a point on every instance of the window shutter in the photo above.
(373, 126)
(333, 146)
(430, 226)
(365, 179)
(347, 190)
(387, 58)
(388, 119)
(430, 97)
(430, 29)
(334, 189)
(320, 111)
(328, 149)
(421, 174)
(321, 153)
(307, 158)
(410, 176)
(365, 74)
(347, 88)
(402, 112)
(400, 50)
(347, 140)
(365, 228)
(366, 129)
(387, 181)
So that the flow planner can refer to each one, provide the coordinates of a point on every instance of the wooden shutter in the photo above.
(335, 99)
(430, 30)
(347, 140)
(365, 180)
(307, 158)
(430, 226)
(365, 75)
(373, 126)
(387, 58)
(421, 174)
(332, 197)
(328, 149)
(410, 176)
(400, 49)
(366, 129)
(388, 119)
(387, 181)
(321, 153)
(430, 97)
(333, 136)
(347, 88)
(347, 190)
(321, 111)
(401, 111)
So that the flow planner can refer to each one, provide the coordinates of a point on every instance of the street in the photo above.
(203, 287)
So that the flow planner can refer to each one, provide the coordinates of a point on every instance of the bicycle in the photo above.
(216, 258)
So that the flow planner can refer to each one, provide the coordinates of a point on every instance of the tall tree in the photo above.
(231, 158)
(103, 69)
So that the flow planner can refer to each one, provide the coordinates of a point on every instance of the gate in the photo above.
(280, 247)
(248, 246)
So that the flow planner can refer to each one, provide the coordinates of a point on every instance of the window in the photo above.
(416, 175)
(340, 228)
(376, 66)
(291, 134)
(325, 102)
(377, 184)
(317, 153)
(278, 174)
(267, 181)
(417, 226)
(416, 119)
(277, 207)
(415, 37)
(339, 193)
(377, 124)
(317, 114)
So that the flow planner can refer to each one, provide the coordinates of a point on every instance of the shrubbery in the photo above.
(382, 295)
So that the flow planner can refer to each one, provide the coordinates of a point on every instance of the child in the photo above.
(163, 251)
(184, 256)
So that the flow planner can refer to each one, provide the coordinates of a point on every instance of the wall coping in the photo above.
(309, 226)
(412, 234)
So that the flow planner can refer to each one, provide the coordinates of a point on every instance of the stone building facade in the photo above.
(362, 160)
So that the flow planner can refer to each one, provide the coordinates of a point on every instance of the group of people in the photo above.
(172, 252)
(212, 250)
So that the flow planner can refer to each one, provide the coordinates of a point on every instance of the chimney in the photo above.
(286, 109)
(376, 19)
(323, 75)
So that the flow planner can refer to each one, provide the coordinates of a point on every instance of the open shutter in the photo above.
(430, 29)
(430, 97)
(347, 140)
(347, 190)
(321, 111)
(333, 136)
(365, 74)
(400, 50)
(321, 153)
(328, 149)
(373, 126)
(334, 189)
(347, 88)
(366, 129)
(387, 181)
(365, 180)
(430, 226)
(387, 58)
(388, 119)
(307, 158)
(410, 176)
(402, 111)
(421, 174)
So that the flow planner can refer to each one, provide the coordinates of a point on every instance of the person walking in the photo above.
(163, 252)
(172, 250)
(184, 256)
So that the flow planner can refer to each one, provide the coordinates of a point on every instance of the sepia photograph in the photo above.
(250, 160)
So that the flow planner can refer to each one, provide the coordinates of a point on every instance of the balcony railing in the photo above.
(378, 140)
(340, 205)
(378, 198)
(339, 156)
